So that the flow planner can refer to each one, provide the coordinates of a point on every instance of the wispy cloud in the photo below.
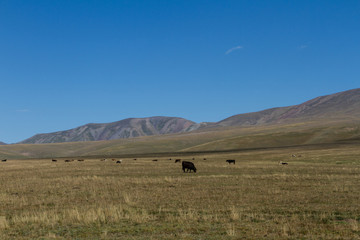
(233, 49)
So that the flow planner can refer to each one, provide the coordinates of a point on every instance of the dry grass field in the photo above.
(315, 196)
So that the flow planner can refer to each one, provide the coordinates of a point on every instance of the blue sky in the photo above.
(67, 63)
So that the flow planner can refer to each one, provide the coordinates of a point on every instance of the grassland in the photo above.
(316, 196)
(217, 139)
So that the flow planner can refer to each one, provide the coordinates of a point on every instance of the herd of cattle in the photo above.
(186, 165)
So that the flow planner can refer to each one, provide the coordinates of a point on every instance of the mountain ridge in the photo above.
(338, 105)
(341, 105)
(126, 128)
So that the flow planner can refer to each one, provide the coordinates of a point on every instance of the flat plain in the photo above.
(315, 196)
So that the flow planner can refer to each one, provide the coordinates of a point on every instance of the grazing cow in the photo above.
(188, 166)
(104, 159)
(67, 160)
(118, 161)
(154, 160)
(80, 160)
(177, 160)
(4, 160)
(230, 161)
(134, 159)
(54, 160)
(193, 158)
(283, 163)
(204, 158)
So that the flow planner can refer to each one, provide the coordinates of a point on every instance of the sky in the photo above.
(66, 63)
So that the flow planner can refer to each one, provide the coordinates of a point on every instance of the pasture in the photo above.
(315, 196)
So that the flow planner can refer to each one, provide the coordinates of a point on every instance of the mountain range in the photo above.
(322, 122)
(342, 105)
(127, 128)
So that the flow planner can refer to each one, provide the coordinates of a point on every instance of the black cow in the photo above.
(177, 160)
(4, 160)
(119, 161)
(230, 161)
(188, 166)
(54, 160)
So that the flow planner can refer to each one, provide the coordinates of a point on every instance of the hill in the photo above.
(235, 138)
(342, 105)
(127, 128)
(331, 119)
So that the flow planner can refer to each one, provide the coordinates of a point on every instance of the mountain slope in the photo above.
(223, 139)
(340, 105)
(335, 107)
(127, 128)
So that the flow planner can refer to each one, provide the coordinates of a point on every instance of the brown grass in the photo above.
(314, 197)
(204, 140)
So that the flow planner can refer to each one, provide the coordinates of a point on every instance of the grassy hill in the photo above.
(330, 119)
(216, 139)
(338, 106)
(127, 128)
